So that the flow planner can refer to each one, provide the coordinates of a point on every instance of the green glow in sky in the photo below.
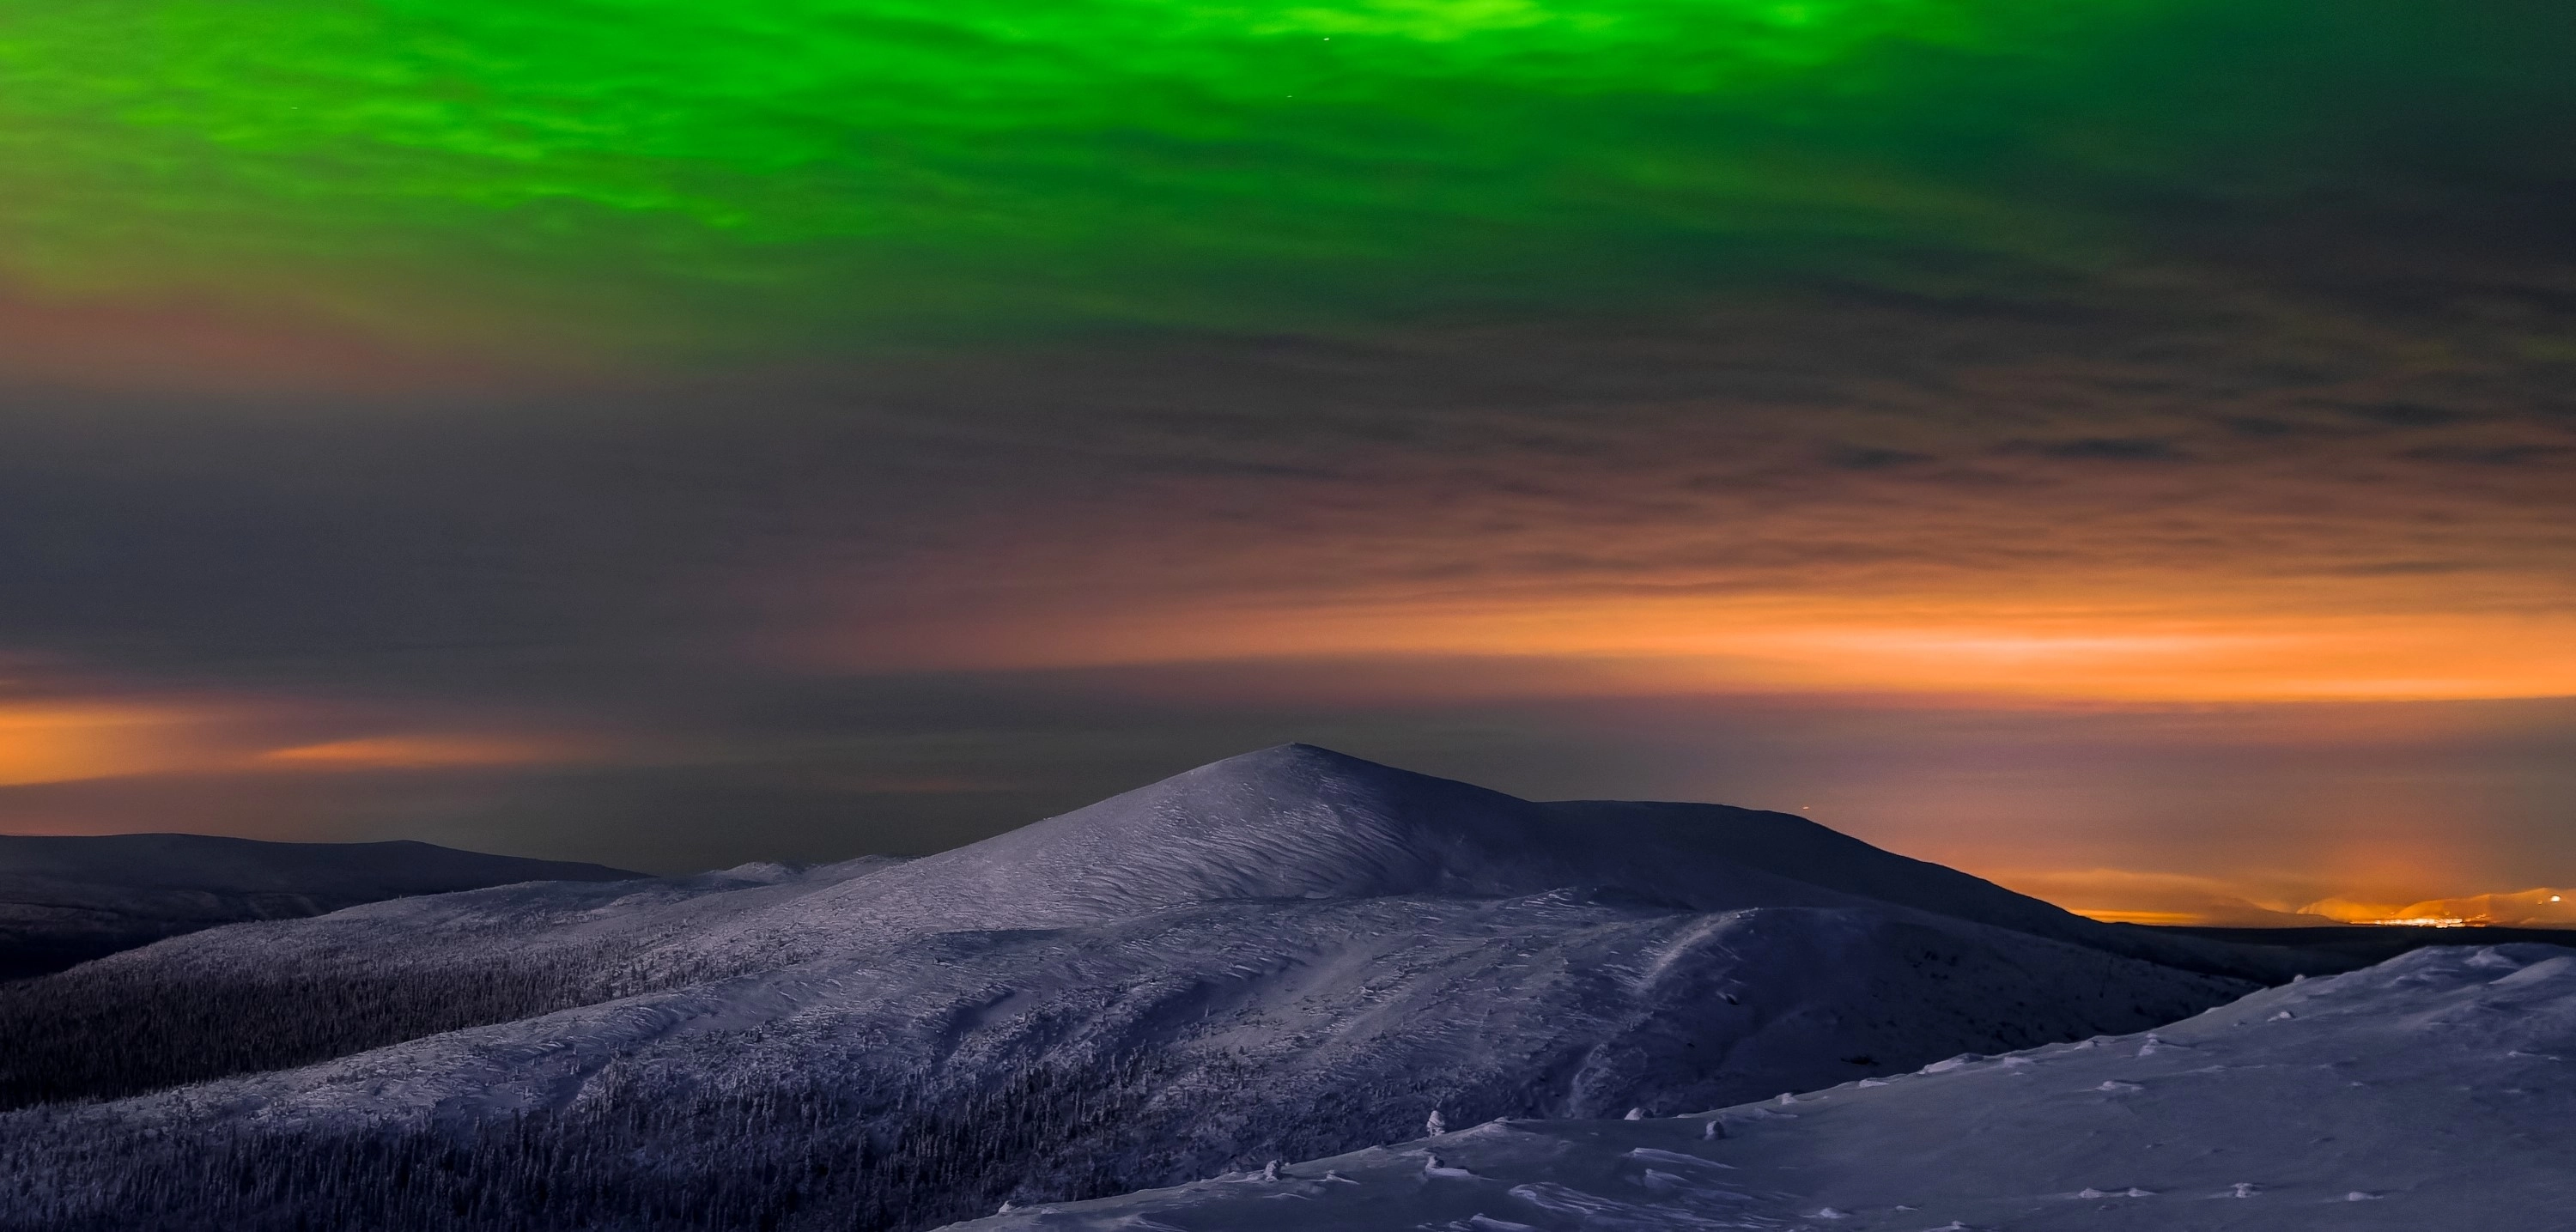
(803, 171)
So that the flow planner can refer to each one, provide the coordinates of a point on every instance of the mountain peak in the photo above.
(1297, 821)
(1307, 766)
(1290, 821)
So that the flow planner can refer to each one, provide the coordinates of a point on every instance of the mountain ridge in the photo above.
(66, 899)
(1300, 822)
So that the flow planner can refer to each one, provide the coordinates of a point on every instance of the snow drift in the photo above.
(2429, 1091)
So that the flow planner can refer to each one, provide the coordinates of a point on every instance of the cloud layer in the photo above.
(2129, 436)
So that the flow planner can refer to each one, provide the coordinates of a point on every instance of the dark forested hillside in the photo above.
(893, 1152)
(111, 1030)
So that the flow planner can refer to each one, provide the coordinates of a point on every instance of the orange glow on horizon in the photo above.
(66, 741)
(2106, 652)
(73, 740)
(2541, 908)
(2123, 896)
(423, 752)
(2110, 915)
(2126, 897)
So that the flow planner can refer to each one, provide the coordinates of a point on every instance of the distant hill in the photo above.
(68, 899)
(2356, 944)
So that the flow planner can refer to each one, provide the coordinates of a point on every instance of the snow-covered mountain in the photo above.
(66, 899)
(2430, 1091)
(1283, 954)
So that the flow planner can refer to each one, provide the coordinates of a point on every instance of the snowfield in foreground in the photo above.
(2436, 1090)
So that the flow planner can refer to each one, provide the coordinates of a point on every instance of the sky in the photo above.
(2124, 449)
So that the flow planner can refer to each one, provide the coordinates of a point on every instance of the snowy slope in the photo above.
(1301, 823)
(1289, 953)
(64, 899)
(201, 1006)
(2430, 1091)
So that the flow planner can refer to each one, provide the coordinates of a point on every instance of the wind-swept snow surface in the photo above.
(1280, 955)
(2432, 1091)
(66, 899)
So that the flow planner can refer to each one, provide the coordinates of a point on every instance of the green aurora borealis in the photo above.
(2121, 447)
(788, 173)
